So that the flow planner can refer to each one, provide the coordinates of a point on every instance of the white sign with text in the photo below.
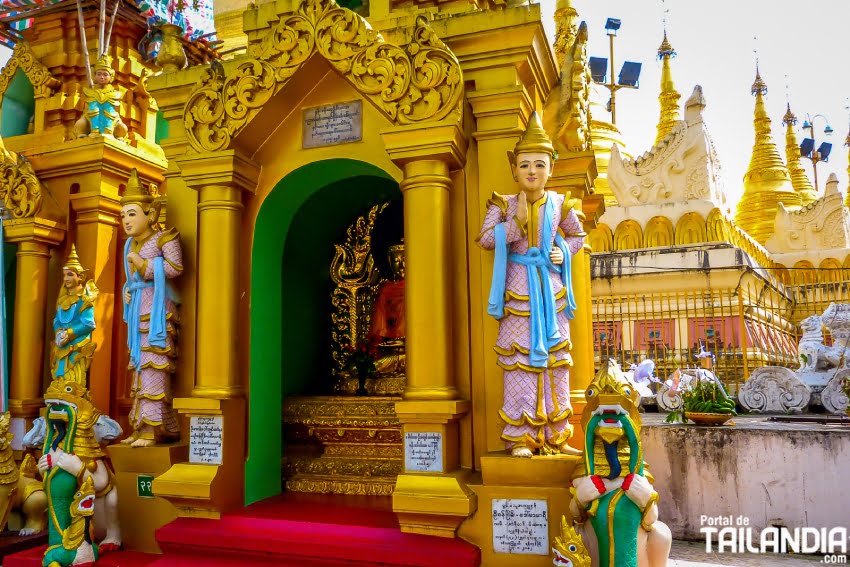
(333, 124)
(205, 440)
(423, 451)
(521, 526)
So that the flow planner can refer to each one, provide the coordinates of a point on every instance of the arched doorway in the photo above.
(296, 227)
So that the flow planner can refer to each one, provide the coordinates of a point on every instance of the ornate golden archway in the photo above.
(420, 82)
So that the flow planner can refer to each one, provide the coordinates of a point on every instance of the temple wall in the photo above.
(749, 470)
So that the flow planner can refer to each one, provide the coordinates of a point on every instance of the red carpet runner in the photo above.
(297, 530)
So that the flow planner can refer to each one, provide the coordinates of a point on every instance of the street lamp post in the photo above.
(807, 146)
(629, 74)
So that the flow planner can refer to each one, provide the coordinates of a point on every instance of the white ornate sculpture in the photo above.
(682, 167)
(821, 225)
(833, 397)
(774, 389)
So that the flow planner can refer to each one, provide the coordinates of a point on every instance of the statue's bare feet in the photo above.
(567, 449)
(143, 443)
(520, 451)
(129, 440)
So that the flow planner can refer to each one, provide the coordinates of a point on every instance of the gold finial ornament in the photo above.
(669, 97)
(767, 181)
(135, 193)
(534, 139)
(73, 262)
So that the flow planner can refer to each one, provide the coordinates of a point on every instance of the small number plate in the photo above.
(144, 485)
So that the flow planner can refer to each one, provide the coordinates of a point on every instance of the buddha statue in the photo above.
(387, 325)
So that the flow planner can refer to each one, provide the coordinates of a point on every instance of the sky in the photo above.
(802, 55)
(715, 41)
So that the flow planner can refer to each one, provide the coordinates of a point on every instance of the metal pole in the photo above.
(612, 85)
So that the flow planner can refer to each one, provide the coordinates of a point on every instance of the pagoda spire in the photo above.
(799, 179)
(847, 143)
(767, 181)
(669, 96)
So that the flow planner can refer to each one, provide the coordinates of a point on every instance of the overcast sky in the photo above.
(715, 41)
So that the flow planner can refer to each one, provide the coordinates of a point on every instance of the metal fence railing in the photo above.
(756, 324)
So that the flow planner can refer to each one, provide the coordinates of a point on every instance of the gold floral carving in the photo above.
(20, 189)
(419, 82)
(43, 82)
(360, 488)
(356, 278)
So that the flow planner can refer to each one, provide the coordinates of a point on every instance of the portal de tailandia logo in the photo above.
(734, 534)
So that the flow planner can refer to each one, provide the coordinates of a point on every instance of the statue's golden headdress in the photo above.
(396, 249)
(135, 193)
(534, 139)
(73, 262)
(104, 63)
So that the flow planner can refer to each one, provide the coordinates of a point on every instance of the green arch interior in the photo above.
(18, 106)
(297, 225)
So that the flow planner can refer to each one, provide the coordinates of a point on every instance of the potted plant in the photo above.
(362, 359)
(705, 403)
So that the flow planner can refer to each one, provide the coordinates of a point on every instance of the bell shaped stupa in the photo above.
(799, 179)
(767, 181)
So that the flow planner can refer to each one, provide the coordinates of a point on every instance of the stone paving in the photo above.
(693, 554)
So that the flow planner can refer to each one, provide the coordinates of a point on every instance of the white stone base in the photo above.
(834, 400)
(774, 389)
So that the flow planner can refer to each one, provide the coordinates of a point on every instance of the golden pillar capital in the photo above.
(220, 178)
(94, 207)
(500, 112)
(228, 168)
(34, 237)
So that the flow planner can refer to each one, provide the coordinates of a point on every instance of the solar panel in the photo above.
(806, 147)
(629, 74)
(599, 68)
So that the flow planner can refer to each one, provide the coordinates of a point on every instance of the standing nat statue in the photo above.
(151, 258)
(534, 235)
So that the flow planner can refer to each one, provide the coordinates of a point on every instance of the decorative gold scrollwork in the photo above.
(420, 82)
(20, 189)
(43, 82)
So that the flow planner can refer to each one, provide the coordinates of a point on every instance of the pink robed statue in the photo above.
(534, 235)
(151, 258)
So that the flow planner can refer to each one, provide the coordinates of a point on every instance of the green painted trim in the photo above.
(18, 106)
(161, 127)
(274, 221)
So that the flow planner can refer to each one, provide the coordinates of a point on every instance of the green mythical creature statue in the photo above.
(72, 461)
(613, 499)
(76, 546)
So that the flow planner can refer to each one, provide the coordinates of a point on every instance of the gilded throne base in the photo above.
(341, 445)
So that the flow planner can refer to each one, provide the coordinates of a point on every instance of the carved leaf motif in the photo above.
(421, 82)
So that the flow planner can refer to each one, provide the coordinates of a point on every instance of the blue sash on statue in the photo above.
(543, 315)
(136, 283)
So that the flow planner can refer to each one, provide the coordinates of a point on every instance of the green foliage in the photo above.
(708, 397)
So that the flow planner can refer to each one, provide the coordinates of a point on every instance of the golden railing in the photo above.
(753, 325)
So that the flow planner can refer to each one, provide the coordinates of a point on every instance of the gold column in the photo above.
(34, 237)
(219, 218)
(427, 280)
(203, 490)
(95, 237)
(433, 500)
(219, 179)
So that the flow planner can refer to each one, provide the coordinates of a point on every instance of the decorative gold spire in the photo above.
(565, 30)
(669, 96)
(767, 181)
(134, 193)
(73, 261)
(534, 139)
(847, 143)
(799, 179)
